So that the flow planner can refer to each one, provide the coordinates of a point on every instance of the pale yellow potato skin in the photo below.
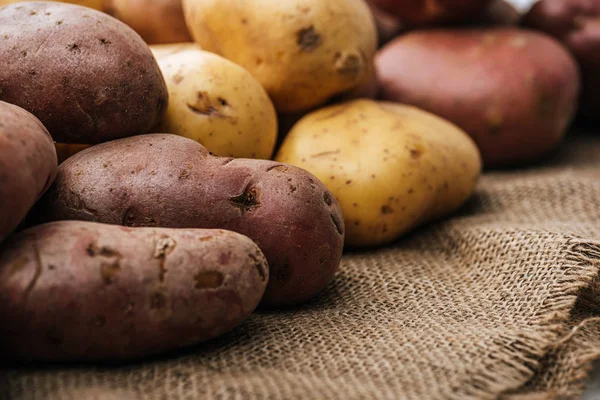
(65, 151)
(302, 51)
(163, 50)
(218, 104)
(95, 4)
(392, 167)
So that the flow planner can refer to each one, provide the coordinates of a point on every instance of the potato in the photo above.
(171, 181)
(88, 77)
(27, 164)
(513, 91)
(499, 13)
(392, 167)
(302, 51)
(575, 23)
(218, 104)
(96, 4)
(163, 50)
(430, 12)
(65, 151)
(157, 21)
(80, 291)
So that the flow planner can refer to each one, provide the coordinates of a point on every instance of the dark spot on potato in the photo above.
(178, 78)
(74, 48)
(246, 201)
(325, 153)
(163, 248)
(282, 273)
(184, 174)
(105, 42)
(59, 22)
(100, 321)
(415, 154)
(386, 209)
(224, 258)
(354, 204)
(129, 217)
(204, 106)
(109, 272)
(51, 267)
(356, 223)
(93, 250)
(323, 260)
(157, 301)
(244, 21)
(293, 188)
(327, 198)
(308, 39)
(24, 53)
(208, 280)
(223, 102)
(259, 266)
(338, 223)
(348, 182)
(206, 239)
(348, 65)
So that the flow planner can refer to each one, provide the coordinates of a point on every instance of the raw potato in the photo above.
(171, 181)
(79, 291)
(65, 151)
(27, 164)
(96, 4)
(163, 50)
(430, 12)
(514, 91)
(157, 21)
(392, 167)
(88, 77)
(576, 23)
(302, 51)
(218, 104)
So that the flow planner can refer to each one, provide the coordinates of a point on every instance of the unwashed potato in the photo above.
(27, 164)
(218, 104)
(514, 91)
(87, 76)
(302, 51)
(157, 21)
(79, 291)
(431, 12)
(171, 181)
(96, 4)
(392, 167)
(576, 23)
(65, 151)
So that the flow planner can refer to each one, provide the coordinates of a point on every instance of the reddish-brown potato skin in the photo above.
(576, 23)
(514, 91)
(157, 21)
(170, 181)
(87, 76)
(27, 164)
(431, 12)
(79, 291)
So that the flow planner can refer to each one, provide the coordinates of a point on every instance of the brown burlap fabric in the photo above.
(502, 301)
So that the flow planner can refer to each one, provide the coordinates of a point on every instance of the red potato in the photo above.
(514, 91)
(576, 23)
(79, 291)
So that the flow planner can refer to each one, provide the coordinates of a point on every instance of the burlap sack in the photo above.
(502, 301)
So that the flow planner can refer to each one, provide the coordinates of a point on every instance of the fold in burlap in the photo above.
(501, 301)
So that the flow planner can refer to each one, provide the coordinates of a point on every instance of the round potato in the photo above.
(514, 91)
(392, 167)
(87, 76)
(430, 12)
(65, 151)
(174, 182)
(79, 291)
(302, 51)
(96, 4)
(27, 165)
(157, 21)
(576, 24)
(218, 104)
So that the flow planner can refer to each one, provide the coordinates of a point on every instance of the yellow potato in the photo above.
(391, 166)
(65, 151)
(218, 104)
(96, 4)
(302, 51)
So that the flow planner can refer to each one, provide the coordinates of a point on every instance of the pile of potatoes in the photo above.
(166, 167)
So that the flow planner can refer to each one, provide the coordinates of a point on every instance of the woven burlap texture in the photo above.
(501, 301)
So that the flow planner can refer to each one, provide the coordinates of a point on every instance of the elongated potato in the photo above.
(171, 181)
(392, 167)
(79, 291)
(27, 164)
(218, 104)
(87, 76)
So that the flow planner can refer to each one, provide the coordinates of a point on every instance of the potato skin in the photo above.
(27, 164)
(95, 4)
(171, 181)
(157, 21)
(218, 104)
(303, 52)
(392, 167)
(80, 291)
(575, 23)
(430, 12)
(513, 91)
(87, 76)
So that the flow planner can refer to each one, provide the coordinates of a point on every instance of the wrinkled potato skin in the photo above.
(392, 167)
(27, 164)
(431, 12)
(218, 104)
(88, 77)
(171, 181)
(157, 21)
(64, 151)
(302, 51)
(95, 4)
(575, 23)
(79, 291)
(513, 91)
